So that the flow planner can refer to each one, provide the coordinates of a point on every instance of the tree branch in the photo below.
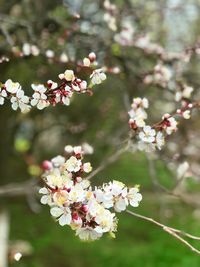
(107, 162)
(172, 231)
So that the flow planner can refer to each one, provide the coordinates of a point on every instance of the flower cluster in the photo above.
(110, 15)
(153, 137)
(149, 137)
(52, 92)
(73, 202)
(137, 113)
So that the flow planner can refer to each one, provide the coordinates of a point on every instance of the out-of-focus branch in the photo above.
(154, 178)
(7, 36)
(172, 231)
(18, 189)
(108, 161)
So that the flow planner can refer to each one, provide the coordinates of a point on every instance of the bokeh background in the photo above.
(102, 121)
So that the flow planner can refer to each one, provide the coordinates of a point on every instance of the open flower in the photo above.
(147, 135)
(98, 76)
(134, 197)
(39, 97)
(68, 75)
(73, 164)
(63, 215)
(20, 101)
(88, 234)
(12, 87)
(87, 167)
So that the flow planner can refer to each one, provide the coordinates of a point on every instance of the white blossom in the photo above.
(97, 76)
(39, 98)
(12, 87)
(68, 75)
(63, 214)
(134, 197)
(88, 234)
(73, 164)
(147, 135)
(20, 101)
(73, 202)
(87, 167)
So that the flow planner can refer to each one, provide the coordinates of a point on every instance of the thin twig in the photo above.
(172, 231)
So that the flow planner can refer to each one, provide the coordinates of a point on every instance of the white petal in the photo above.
(14, 105)
(65, 219)
(34, 102)
(56, 212)
(44, 199)
(43, 190)
(134, 203)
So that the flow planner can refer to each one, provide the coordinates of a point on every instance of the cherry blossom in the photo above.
(12, 87)
(20, 101)
(147, 135)
(63, 214)
(98, 76)
(39, 97)
(51, 93)
(73, 202)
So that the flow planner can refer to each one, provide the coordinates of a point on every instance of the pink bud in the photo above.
(84, 208)
(75, 216)
(47, 165)
(190, 105)
(166, 116)
(92, 56)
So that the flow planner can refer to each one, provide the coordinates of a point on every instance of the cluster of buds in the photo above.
(161, 76)
(73, 202)
(110, 15)
(52, 93)
(149, 138)
(33, 50)
(137, 113)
